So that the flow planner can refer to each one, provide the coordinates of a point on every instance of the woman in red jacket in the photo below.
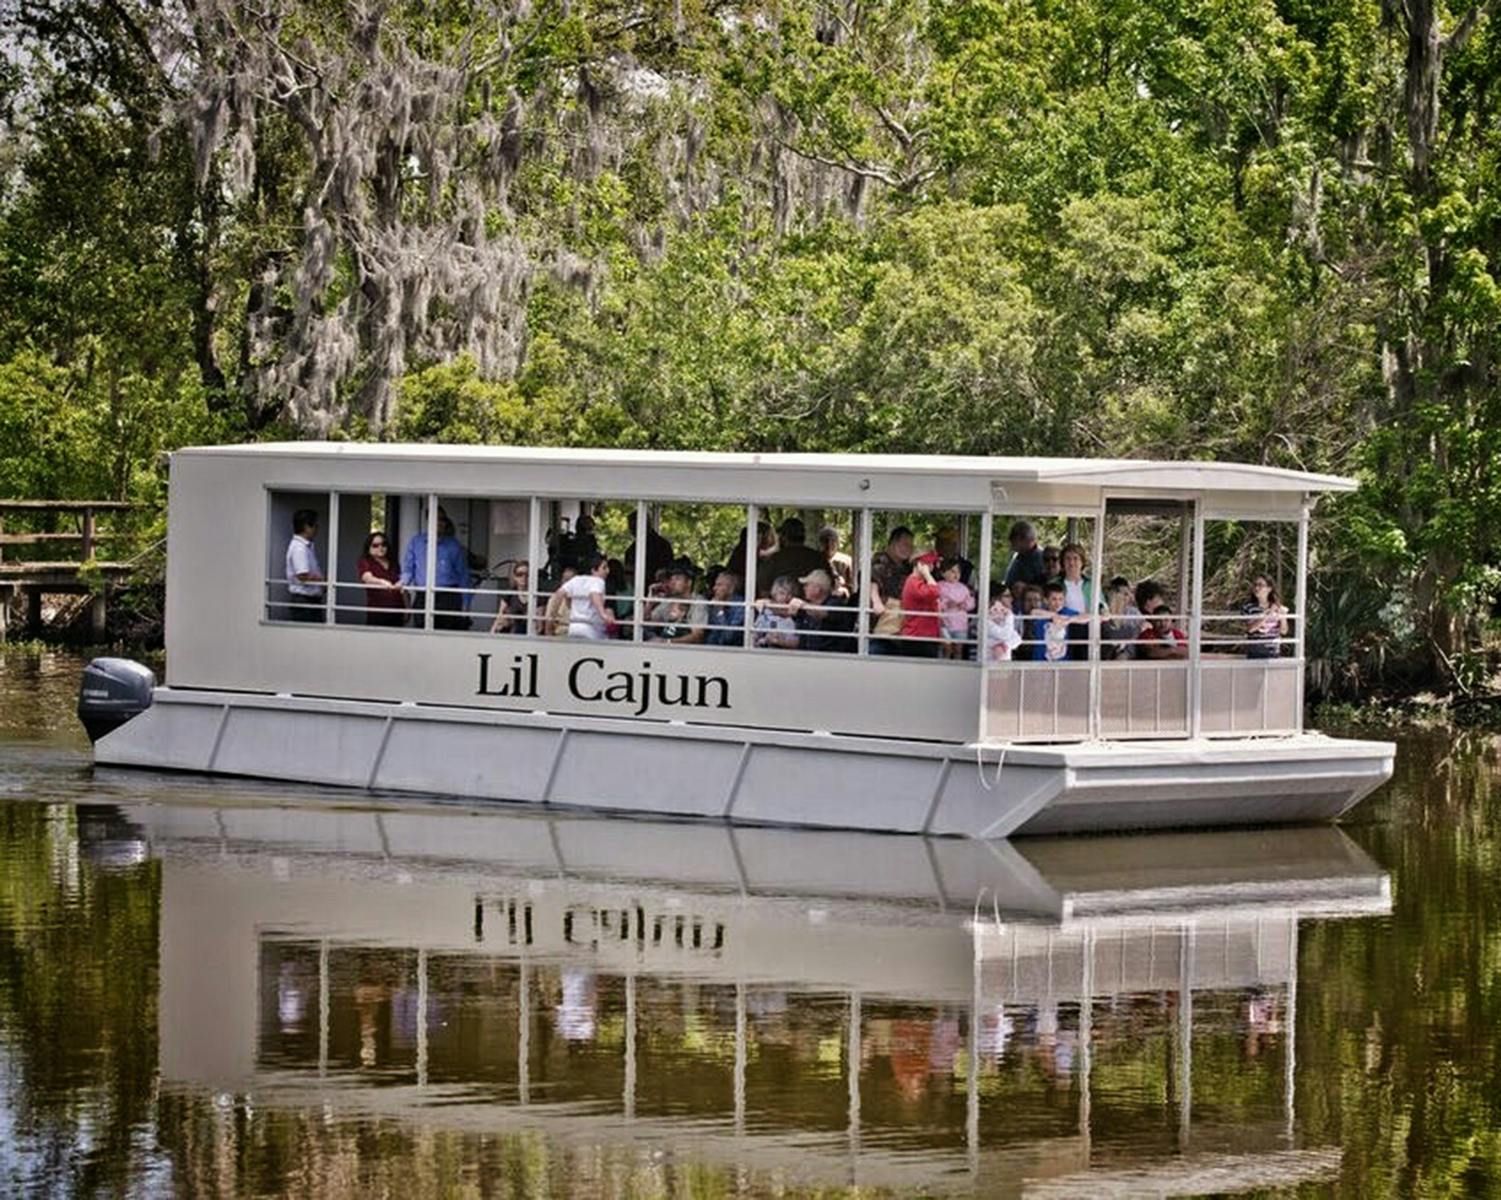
(920, 622)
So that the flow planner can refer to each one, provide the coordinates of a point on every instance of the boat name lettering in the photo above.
(644, 688)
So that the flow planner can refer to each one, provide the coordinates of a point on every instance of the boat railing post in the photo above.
(1097, 575)
(534, 563)
(864, 554)
(982, 612)
(752, 555)
(1300, 619)
(638, 583)
(430, 566)
(331, 569)
(1196, 626)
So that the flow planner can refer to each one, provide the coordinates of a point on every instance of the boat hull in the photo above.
(751, 775)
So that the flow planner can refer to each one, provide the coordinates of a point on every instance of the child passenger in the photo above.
(955, 603)
(1055, 627)
(774, 625)
(1001, 636)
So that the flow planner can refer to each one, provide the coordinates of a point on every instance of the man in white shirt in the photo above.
(305, 581)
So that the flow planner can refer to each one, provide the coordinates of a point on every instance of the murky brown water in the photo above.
(211, 988)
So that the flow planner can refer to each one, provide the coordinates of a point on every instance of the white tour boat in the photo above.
(449, 676)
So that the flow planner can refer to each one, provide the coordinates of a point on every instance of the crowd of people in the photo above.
(919, 603)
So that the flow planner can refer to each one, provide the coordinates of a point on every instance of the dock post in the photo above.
(88, 535)
(97, 616)
(4, 611)
(33, 612)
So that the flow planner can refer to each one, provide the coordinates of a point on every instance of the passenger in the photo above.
(955, 603)
(726, 620)
(766, 544)
(1001, 636)
(555, 618)
(658, 552)
(1054, 616)
(1052, 563)
(1079, 595)
(1267, 619)
(1026, 565)
(920, 626)
(946, 542)
(384, 602)
(824, 621)
(451, 572)
(305, 580)
(792, 558)
(514, 608)
(888, 572)
(1034, 628)
(1159, 637)
(774, 627)
(1123, 623)
(587, 615)
(585, 544)
(841, 567)
(618, 595)
(679, 615)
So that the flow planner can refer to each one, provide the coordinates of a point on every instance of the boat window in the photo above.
(572, 532)
(372, 529)
(923, 624)
(699, 597)
(301, 517)
(1239, 620)
(806, 584)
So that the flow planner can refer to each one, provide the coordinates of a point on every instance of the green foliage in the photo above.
(1225, 229)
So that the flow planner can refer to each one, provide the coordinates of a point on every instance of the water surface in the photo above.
(219, 988)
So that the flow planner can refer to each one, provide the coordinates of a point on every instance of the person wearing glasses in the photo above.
(512, 611)
(384, 602)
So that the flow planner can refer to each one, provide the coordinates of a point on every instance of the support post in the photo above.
(638, 585)
(740, 1056)
(1300, 609)
(88, 535)
(1196, 627)
(421, 1018)
(982, 610)
(323, 1007)
(752, 561)
(534, 563)
(852, 1062)
(524, 1035)
(630, 1047)
(1185, 1035)
(4, 612)
(331, 567)
(33, 612)
(864, 557)
(98, 616)
(431, 564)
(1097, 575)
(1290, 1030)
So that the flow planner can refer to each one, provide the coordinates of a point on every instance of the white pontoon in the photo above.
(431, 693)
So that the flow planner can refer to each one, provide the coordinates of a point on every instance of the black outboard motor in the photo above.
(113, 690)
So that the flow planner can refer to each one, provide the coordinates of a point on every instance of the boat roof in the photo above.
(1190, 474)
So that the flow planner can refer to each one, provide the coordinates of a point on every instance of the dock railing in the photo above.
(33, 576)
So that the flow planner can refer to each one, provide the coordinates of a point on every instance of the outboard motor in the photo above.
(113, 690)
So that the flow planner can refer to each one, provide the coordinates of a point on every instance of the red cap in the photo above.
(931, 559)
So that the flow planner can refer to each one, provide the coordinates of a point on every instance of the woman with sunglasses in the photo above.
(384, 602)
(512, 610)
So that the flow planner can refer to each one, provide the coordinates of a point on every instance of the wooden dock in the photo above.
(34, 578)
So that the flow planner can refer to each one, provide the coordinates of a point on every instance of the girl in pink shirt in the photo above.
(955, 603)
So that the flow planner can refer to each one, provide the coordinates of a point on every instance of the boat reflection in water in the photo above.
(829, 1008)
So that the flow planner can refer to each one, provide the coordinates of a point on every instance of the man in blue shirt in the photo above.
(451, 570)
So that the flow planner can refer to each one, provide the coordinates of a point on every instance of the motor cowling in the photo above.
(113, 691)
